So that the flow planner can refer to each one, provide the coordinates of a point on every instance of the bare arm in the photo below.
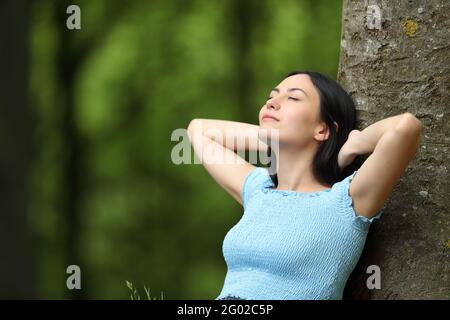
(393, 143)
(236, 136)
(215, 143)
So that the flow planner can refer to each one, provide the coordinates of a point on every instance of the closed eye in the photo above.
(288, 98)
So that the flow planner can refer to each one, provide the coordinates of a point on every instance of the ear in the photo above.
(324, 132)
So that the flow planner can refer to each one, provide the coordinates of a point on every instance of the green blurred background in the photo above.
(102, 191)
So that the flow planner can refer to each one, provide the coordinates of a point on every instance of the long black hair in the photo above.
(336, 105)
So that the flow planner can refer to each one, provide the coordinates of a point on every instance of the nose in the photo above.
(273, 104)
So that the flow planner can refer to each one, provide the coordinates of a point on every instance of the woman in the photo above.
(305, 223)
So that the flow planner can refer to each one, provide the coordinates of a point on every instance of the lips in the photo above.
(269, 116)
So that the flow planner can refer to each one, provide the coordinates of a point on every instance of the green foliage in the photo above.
(142, 69)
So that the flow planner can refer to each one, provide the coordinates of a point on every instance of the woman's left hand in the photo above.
(347, 153)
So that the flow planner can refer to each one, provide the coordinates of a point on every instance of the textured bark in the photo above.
(394, 59)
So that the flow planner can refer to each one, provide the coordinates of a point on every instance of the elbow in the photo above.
(192, 124)
(409, 125)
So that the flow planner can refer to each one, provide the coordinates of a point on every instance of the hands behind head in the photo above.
(348, 151)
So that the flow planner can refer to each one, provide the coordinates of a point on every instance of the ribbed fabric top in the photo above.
(291, 245)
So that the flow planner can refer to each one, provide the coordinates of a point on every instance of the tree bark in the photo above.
(394, 59)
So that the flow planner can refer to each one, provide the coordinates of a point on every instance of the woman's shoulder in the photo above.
(257, 179)
(341, 190)
(258, 175)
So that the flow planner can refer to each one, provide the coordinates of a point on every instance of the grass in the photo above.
(135, 294)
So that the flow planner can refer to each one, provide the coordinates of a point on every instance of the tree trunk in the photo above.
(16, 266)
(68, 61)
(244, 13)
(394, 58)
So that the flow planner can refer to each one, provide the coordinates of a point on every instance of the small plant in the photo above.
(135, 294)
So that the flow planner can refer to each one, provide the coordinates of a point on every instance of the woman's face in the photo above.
(295, 105)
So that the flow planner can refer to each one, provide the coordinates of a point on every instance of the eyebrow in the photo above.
(290, 89)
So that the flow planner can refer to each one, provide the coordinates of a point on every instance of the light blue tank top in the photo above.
(291, 245)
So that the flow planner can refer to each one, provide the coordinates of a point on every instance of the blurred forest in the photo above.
(101, 104)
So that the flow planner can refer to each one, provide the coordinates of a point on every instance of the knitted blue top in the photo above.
(291, 245)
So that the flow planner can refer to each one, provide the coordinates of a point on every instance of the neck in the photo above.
(295, 169)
